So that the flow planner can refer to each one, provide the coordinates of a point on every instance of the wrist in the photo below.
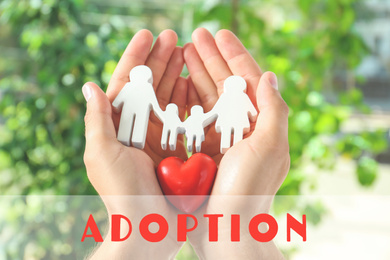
(123, 239)
(234, 240)
(135, 248)
(246, 248)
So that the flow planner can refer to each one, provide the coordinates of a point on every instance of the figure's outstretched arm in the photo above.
(120, 98)
(210, 116)
(158, 112)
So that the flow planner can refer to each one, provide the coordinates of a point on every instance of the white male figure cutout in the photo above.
(233, 108)
(172, 126)
(136, 99)
(195, 125)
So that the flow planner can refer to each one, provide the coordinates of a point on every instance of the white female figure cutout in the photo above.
(233, 108)
(136, 99)
(194, 127)
(172, 127)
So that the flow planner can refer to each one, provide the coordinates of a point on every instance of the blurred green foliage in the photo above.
(313, 48)
(310, 44)
(42, 137)
(48, 227)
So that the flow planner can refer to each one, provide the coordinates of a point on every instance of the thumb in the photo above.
(272, 121)
(99, 127)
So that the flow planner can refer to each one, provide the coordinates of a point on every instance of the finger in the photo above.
(135, 54)
(160, 55)
(179, 96)
(201, 79)
(272, 121)
(99, 127)
(239, 60)
(213, 61)
(171, 74)
(192, 96)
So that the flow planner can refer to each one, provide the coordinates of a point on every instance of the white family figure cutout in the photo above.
(232, 113)
(233, 108)
(194, 126)
(136, 99)
(172, 126)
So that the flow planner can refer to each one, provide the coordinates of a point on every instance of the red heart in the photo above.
(187, 180)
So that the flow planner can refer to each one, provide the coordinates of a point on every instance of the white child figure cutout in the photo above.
(194, 127)
(233, 109)
(172, 126)
(136, 99)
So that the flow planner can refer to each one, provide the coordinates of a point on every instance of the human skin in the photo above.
(115, 169)
(256, 165)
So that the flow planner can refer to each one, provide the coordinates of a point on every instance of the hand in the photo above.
(256, 165)
(114, 169)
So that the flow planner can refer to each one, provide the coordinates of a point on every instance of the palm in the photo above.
(136, 161)
(234, 166)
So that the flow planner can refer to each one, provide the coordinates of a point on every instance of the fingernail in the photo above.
(87, 91)
(273, 80)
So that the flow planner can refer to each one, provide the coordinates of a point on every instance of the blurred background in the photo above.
(332, 58)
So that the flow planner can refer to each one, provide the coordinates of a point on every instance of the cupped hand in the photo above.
(263, 154)
(259, 163)
(120, 175)
(116, 170)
